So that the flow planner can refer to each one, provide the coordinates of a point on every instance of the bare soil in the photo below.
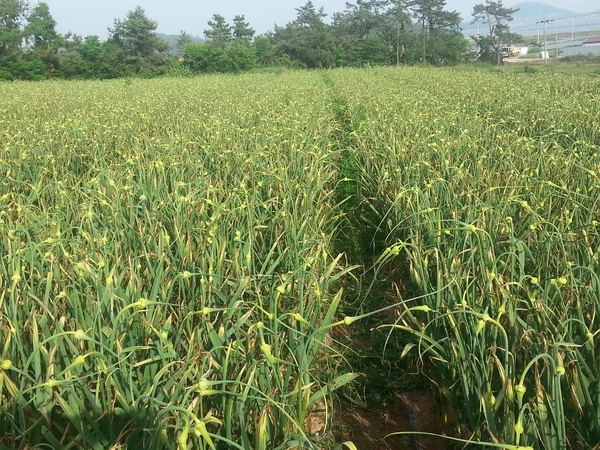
(372, 429)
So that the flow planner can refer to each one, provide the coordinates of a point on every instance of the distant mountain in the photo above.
(535, 11)
(172, 40)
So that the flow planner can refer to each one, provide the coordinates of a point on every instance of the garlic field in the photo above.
(175, 253)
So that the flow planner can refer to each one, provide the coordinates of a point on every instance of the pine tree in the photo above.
(496, 16)
(242, 33)
(135, 34)
(219, 32)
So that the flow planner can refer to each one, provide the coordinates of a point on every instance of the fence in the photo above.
(581, 50)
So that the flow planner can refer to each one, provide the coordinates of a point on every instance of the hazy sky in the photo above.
(93, 17)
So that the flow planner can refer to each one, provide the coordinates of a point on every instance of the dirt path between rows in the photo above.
(371, 429)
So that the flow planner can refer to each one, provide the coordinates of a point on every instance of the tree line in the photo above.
(367, 32)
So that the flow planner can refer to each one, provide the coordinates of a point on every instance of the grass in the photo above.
(178, 253)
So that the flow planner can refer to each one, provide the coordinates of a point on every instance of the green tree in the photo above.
(496, 16)
(15, 63)
(91, 49)
(40, 30)
(308, 40)
(238, 58)
(12, 15)
(361, 30)
(91, 58)
(432, 18)
(207, 58)
(401, 37)
(241, 31)
(219, 33)
(266, 52)
(355, 22)
(111, 63)
(143, 49)
(449, 47)
(484, 52)
(202, 57)
(308, 16)
(42, 39)
(183, 40)
(369, 51)
(383, 32)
